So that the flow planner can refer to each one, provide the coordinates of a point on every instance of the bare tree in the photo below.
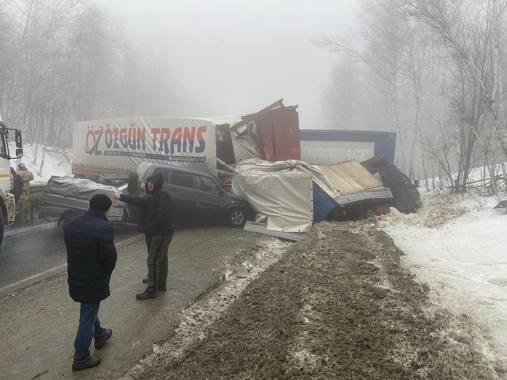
(469, 32)
(441, 61)
(67, 60)
(379, 45)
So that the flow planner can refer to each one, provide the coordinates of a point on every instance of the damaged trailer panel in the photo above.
(355, 184)
(274, 130)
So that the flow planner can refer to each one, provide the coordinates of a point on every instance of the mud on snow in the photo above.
(338, 304)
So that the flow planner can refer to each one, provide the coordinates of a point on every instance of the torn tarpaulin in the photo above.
(282, 190)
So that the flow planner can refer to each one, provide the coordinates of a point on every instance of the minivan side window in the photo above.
(164, 172)
(207, 184)
(182, 179)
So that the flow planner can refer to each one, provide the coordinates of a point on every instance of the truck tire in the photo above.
(236, 217)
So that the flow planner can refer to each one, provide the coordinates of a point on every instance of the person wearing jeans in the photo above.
(89, 328)
(91, 258)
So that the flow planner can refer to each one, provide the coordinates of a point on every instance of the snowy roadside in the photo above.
(457, 245)
(337, 304)
(45, 162)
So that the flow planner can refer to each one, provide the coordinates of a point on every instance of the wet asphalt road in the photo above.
(34, 251)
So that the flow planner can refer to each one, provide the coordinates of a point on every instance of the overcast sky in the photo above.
(237, 56)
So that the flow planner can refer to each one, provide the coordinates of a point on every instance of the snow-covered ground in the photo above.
(458, 246)
(55, 162)
(479, 176)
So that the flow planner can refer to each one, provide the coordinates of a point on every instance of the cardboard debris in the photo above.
(406, 197)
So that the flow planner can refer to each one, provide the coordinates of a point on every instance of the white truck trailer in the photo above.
(110, 149)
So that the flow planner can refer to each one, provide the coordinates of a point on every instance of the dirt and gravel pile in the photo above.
(335, 305)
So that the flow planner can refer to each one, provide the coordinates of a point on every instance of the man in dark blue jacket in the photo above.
(91, 258)
(155, 221)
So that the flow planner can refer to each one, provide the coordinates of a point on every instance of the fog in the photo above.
(235, 57)
(433, 72)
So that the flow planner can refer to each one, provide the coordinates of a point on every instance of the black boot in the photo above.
(147, 294)
(101, 341)
(161, 288)
(89, 362)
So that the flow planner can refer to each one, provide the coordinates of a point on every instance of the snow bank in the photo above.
(463, 260)
(56, 162)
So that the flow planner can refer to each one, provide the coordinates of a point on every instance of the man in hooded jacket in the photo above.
(155, 222)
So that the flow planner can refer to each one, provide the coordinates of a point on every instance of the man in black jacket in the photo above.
(155, 222)
(91, 258)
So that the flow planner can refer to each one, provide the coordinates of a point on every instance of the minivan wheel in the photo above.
(236, 218)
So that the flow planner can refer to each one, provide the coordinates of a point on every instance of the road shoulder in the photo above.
(38, 322)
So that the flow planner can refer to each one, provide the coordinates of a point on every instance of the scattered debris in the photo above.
(293, 194)
(274, 130)
(262, 228)
(406, 196)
